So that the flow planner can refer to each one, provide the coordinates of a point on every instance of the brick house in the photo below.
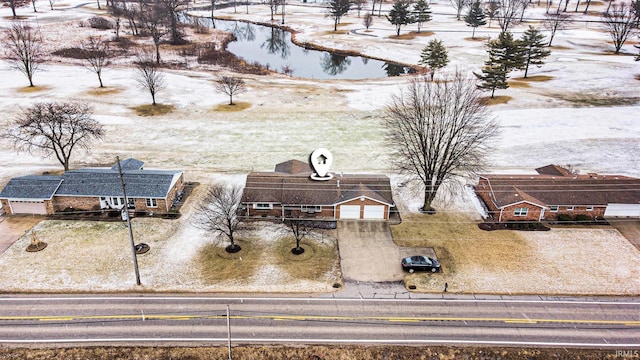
(94, 189)
(289, 191)
(554, 191)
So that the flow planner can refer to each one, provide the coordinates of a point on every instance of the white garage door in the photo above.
(374, 212)
(28, 207)
(622, 210)
(349, 211)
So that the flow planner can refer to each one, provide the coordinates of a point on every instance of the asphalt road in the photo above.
(202, 320)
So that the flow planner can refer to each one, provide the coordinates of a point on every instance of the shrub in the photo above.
(72, 52)
(564, 217)
(101, 23)
(583, 218)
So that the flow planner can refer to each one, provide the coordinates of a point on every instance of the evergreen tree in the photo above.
(475, 17)
(422, 13)
(337, 9)
(505, 55)
(507, 51)
(400, 15)
(533, 48)
(493, 77)
(434, 55)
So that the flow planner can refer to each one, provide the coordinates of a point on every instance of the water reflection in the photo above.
(272, 48)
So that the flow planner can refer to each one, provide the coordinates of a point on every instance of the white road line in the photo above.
(243, 299)
(327, 341)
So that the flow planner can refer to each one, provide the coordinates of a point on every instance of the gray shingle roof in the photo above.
(129, 164)
(106, 182)
(31, 187)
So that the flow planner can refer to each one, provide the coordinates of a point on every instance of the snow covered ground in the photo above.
(544, 121)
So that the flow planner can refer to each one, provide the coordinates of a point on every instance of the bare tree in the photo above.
(508, 13)
(556, 21)
(620, 22)
(54, 129)
(367, 21)
(24, 49)
(33, 3)
(13, 4)
(437, 131)
(51, 2)
(299, 228)
(171, 9)
(231, 86)
(149, 76)
(97, 54)
(152, 20)
(218, 213)
(459, 5)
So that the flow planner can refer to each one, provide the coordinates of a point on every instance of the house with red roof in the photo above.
(555, 190)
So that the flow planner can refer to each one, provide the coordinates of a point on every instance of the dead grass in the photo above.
(411, 35)
(237, 106)
(105, 91)
(316, 261)
(637, 76)
(496, 100)
(477, 38)
(217, 264)
(32, 89)
(153, 110)
(518, 84)
(303, 352)
(535, 78)
(338, 32)
(586, 99)
(560, 261)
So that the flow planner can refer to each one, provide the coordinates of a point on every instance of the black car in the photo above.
(420, 263)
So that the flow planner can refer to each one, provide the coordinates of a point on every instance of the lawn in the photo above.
(561, 261)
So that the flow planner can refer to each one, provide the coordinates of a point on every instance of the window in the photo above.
(310, 208)
(117, 201)
(263, 206)
(152, 202)
(570, 208)
(554, 208)
(589, 208)
(521, 212)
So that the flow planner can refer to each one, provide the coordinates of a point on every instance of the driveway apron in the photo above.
(13, 227)
(367, 252)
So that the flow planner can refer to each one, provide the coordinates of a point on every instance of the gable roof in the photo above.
(106, 182)
(128, 164)
(293, 167)
(31, 187)
(555, 170)
(569, 190)
(290, 185)
(95, 182)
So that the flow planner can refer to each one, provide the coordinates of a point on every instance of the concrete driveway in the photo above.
(368, 253)
(13, 227)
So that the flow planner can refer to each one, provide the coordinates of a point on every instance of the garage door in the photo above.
(622, 210)
(374, 212)
(349, 211)
(28, 207)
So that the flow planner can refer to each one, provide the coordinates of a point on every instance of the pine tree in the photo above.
(422, 12)
(533, 48)
(493, 77)
(435, 56)
(505, 55)
(475, 17)
(507, 51)
(400, 15)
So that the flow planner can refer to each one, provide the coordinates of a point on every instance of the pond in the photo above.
(272, 48)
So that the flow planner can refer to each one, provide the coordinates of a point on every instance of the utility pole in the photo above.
(228, 333)
(125, 213)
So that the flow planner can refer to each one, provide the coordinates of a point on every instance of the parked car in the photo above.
(420, 263)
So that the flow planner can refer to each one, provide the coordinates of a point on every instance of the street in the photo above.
(202, 320)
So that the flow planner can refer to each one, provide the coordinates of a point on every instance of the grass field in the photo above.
(561, 261)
